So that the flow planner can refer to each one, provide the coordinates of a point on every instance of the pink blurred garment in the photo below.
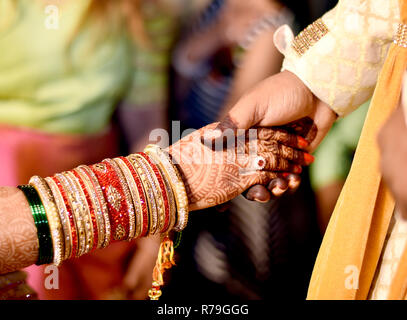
(25, 152)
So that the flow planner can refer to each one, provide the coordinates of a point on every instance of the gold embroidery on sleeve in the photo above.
(401, 36)
(309, 36)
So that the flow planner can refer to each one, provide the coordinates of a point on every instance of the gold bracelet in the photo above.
(157, 192)
(176, 182)
(142, 192)
(102, 202)
(84, 210)
(97, 209)
(53, 217)
(145, 179)
(134, 195)
(171, 201)
(63, 215)
(75, 205)
(171, 196)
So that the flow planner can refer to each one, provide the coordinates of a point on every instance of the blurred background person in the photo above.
(254, 246)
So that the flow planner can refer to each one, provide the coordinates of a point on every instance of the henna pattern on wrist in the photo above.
(18, 234)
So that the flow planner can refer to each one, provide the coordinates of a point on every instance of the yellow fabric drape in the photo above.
(398, 288)
(356, 232)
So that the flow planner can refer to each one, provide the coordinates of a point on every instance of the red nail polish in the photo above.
(302, 143)
(308, 158)
(285, 174)
(297, 169)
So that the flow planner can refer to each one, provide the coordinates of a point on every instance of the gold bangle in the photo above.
(102, 202)
(171, 196)
(171, 202)
(134, 195)
(75, 205)
(63, 215)
(176, 182)
(100, 223)
(84, 210)
(157, 193)
(145, 179)
(53, 217)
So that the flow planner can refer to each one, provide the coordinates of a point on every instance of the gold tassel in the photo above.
(165, 260)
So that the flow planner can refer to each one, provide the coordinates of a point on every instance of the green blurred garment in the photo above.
(53, 83)
(334, 156)
(69, 80)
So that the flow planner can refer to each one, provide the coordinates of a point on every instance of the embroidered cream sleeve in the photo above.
(340, 55)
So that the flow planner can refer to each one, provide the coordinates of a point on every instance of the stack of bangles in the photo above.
(124, 198)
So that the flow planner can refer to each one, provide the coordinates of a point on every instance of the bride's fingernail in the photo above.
(302, 143)
(260, 200)
(257, 196)
(308, 158)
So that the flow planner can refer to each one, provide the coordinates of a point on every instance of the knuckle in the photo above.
(273, 161)
(275, 147)
(282, 164)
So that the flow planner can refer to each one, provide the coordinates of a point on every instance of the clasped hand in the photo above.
(217, 165)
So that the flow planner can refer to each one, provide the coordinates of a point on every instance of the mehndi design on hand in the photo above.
(214, 175)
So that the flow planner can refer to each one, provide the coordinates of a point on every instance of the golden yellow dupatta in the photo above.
(354, 239)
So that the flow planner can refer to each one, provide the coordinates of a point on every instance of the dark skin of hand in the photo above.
(281, 100)
(392, 141)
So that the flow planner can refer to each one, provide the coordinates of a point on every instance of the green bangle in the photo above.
(45, 252)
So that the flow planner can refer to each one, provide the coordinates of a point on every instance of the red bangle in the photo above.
(103, 210)
(142, 195)
(74, 234)
(91, 209)
(116, 199)
(163, 190)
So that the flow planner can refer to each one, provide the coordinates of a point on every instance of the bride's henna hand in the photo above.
(215, 176)
(282, 144)
(304, 127)
(298, 135)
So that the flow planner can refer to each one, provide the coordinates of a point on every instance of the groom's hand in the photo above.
(281, 100)
(277, 101)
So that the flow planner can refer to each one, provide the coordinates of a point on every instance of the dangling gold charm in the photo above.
(165, 260)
